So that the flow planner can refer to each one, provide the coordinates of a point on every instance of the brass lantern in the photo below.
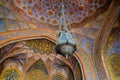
(65, 45)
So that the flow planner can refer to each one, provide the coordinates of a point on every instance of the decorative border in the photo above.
(18, 35)
(101, 39)
(85, 62)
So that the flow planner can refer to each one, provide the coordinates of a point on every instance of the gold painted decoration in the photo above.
(43, 46)
(88, 46)
(113, 65)
(36, 75)
(38, 65)
(11, 73)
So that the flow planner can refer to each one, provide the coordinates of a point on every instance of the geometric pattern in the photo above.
(9, 20)
(43, 46)
(49, 11)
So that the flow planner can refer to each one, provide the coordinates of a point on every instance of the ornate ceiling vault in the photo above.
(33, 57)
(49, 11)
(28, 33)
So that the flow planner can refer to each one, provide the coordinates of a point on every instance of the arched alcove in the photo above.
(112, 51)
(37, 55)
(39, 65)
(37, 71)
(12, 69)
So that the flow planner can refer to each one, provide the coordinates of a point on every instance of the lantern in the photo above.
(65, 45)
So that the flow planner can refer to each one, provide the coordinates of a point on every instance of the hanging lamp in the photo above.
(65, 45)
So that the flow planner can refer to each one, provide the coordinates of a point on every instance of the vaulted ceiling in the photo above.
(23, 14)
(29, 19)
(19, 17)
(49, 11)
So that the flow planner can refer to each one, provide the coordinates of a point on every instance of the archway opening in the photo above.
(39, 60)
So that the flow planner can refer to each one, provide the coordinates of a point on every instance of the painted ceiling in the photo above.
(28, 14)
(50, 10)
(21, 19)
(23, 14)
